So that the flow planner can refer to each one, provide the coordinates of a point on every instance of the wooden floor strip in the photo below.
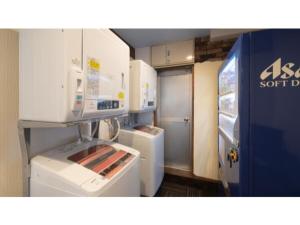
(177, 186)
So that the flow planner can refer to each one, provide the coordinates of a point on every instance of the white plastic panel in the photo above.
(228, 78)
(53, 85)
(226, 123)
(106, 67)
(222, 150)
(151, 148)
(228, 104)
(52, 174)
(148, 86)
(143, 83)
(46, 57)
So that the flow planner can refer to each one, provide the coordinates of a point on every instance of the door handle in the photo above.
(186, 119)
(168, 52)
(122, 84)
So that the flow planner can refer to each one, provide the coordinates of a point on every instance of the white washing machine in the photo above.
(149, 141)
(88, 169)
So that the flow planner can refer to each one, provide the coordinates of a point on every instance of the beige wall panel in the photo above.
(143, 54)
(206, 119)
(10, 155)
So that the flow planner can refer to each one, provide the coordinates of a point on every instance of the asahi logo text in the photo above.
(278, 75)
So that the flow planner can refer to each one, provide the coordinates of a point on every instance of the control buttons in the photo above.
(115, 104)
(77, 104)
(107, 104)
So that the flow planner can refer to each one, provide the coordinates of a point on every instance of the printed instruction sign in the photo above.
(93, 76)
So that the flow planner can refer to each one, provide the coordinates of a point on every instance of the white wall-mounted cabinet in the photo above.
(158, 55)
(173, 54)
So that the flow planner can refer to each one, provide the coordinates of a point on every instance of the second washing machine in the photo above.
(149, 141)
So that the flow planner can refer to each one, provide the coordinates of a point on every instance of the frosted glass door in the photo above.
(175, 117)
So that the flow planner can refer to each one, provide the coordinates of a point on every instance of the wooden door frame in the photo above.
(193, 97)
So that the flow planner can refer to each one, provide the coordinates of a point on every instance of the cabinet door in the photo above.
(180, 52)
(158, 55)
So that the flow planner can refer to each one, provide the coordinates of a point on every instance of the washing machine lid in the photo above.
(102, 159)
(90, 166)
(147, 129)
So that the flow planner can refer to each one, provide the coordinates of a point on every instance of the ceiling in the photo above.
(138, 38)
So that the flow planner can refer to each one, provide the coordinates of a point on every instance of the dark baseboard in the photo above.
(189, 174)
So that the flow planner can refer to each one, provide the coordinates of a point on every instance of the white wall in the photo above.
(143, 54)
(145, 118)
(42, 139)
(206, 119)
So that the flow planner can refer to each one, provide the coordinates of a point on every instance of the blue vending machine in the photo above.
(259, 115)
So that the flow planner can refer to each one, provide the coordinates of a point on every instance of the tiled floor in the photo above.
(175, 186)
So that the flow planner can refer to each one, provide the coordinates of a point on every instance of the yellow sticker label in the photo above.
(121, 95)
(94, 64)
(147, 85)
